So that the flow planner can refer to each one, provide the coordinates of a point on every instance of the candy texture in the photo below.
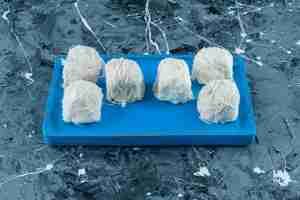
(124, 81)
(218, 101)
(82, 102)
(173, 82)
(212, 63)
(82, 63)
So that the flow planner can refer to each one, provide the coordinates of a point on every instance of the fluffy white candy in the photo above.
(173, 82)
(212, 63)
(218, 101)
(82, 63)
(124, 81)
(82, 102)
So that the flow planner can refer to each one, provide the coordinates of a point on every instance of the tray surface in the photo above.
(149, 122)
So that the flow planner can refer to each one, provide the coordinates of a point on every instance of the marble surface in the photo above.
(267, 33)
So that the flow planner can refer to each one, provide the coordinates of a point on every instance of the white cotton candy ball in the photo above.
(173, 82)
(124, 81)
(82, 63)
(82, 102)
(212, 63)
(218, 101)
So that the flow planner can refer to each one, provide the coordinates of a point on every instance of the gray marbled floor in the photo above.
(47, 28)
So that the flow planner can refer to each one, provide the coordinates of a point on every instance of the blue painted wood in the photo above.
(149, 122)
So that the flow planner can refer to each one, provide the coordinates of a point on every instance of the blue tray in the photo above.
(149, 122)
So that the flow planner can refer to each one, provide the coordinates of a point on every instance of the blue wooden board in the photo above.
(149, 122)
